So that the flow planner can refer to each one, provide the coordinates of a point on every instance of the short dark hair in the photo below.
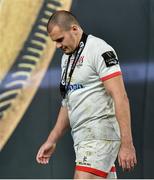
(63, 19)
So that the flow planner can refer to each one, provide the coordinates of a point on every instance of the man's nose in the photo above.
(58, 45)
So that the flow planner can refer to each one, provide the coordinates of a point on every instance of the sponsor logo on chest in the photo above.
(79, 62)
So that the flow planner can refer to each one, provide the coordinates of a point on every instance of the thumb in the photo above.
(40, 153)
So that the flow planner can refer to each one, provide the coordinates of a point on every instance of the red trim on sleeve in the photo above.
(111, 76)
(92, 170)
(113, 169)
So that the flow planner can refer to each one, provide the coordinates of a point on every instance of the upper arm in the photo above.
(116, 89)
(108, 69)
(106, 62)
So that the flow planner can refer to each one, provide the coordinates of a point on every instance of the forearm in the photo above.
(122, 110)
(115, 88)
(60, 127)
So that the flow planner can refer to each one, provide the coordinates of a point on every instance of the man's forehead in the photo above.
(56, 32)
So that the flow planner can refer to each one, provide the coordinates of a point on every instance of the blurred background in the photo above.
(128, 26)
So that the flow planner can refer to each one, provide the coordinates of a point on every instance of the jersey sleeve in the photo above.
(106, 62)
(64, 103)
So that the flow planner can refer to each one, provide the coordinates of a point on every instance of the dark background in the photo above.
(128, 26)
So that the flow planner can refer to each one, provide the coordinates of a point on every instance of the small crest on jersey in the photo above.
(110, 58)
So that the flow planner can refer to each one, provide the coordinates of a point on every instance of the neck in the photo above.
(79, 36)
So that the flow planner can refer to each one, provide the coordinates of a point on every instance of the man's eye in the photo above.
(60, 40)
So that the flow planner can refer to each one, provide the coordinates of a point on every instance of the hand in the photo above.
(45, 152)
(127, 156)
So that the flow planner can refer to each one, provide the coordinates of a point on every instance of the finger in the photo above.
(39, 160)
(40, 153)
(128, 165)
(46, 155)
(45, 160)
(38, 157)
(119, 161)
(42, 160)
(123, 164)
(132, 163)
(135, 160)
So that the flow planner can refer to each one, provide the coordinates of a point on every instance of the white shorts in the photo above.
(97, 157)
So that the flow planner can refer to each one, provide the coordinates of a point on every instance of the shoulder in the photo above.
(101, 48)
(97, 43)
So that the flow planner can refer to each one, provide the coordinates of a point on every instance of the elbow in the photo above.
(120, 97)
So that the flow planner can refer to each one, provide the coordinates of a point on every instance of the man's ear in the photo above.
(75, 28)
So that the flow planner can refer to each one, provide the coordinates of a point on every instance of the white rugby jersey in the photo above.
(90, 109)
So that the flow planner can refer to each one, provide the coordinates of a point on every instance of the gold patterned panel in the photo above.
(16, 20)
(25, 53)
